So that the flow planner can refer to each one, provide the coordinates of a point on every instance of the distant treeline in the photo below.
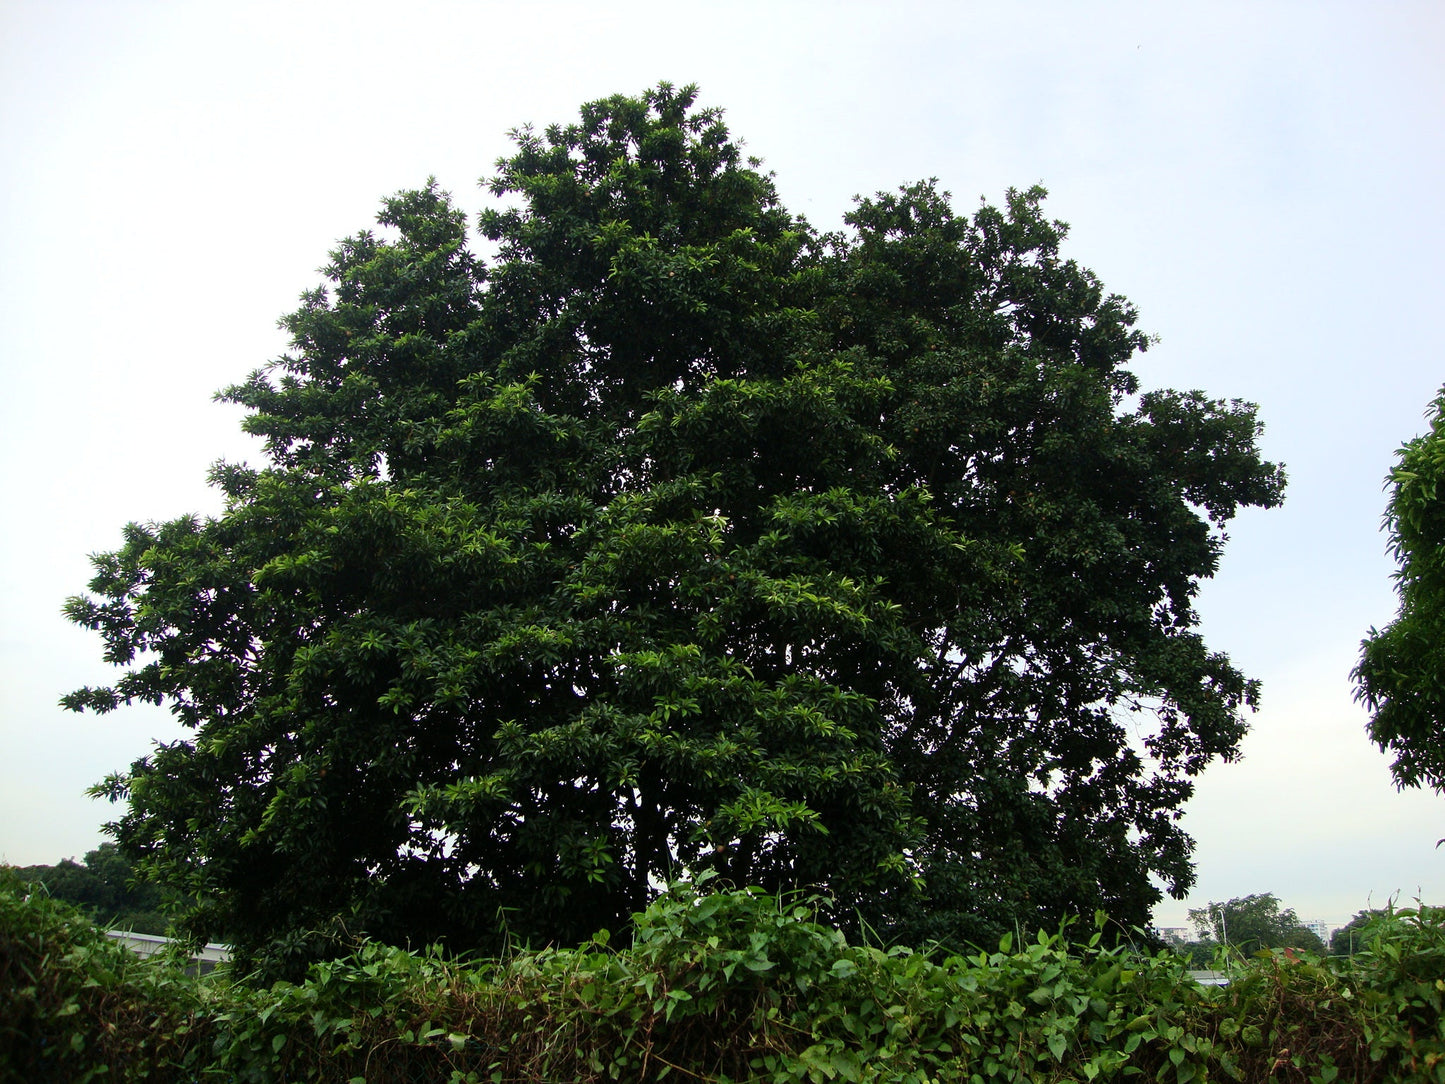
(104, 888)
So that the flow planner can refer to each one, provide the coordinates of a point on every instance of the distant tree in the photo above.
(1401, 673)
(1347, 940)
(1200, 954)
(682, 537)
(105, 888)
(1250, 923)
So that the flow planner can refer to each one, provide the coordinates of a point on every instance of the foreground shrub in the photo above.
(76, 1004)
(724, 986)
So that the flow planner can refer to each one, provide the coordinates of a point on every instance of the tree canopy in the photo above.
(675, 535)
(1251, 923)
(1401, 674)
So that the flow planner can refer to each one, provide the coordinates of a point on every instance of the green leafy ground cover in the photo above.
(723, 986)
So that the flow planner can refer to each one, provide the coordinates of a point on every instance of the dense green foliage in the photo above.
(105, 888)
(1401, 675)
(729, 986)
(1345, 940)
(75, 1004)
(1250, 923)
(679, 538)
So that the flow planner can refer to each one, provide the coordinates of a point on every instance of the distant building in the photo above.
(144, 944)
(1173, 935)
(1210, 978)
(1320, 928)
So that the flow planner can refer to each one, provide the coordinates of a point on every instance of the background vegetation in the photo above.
(105, 888)
(1245, 925)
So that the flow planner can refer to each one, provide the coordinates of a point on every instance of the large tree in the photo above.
(1401, 674)
(681, 536)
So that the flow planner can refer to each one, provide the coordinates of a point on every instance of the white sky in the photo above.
(1262, 179)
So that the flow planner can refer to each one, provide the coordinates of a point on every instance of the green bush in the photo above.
(76, 1005)
(724, 986)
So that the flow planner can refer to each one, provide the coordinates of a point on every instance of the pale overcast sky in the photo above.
(1262, 179)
